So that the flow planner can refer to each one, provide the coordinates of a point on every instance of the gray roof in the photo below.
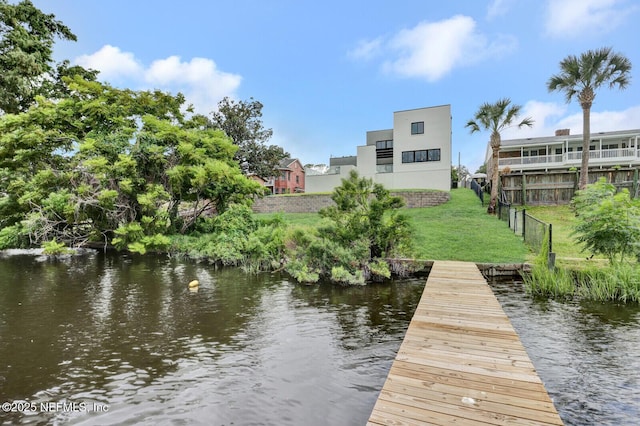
(286, 162)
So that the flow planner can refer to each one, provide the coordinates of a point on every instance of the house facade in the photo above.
(545, 170)
(414, 154)
(291, 178)
(564, 151)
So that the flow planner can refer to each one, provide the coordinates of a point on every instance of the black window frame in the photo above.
(417, 128)
(424, 156)
(433, 152)
(385, 144)
(408, 157)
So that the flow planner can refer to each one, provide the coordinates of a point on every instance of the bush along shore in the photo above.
(349, 245)
(608, 225)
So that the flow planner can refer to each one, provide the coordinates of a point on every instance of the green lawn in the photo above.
(564, 245)
(458, 230)
(462, 230)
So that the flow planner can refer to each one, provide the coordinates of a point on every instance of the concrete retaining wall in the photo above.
(312, 203)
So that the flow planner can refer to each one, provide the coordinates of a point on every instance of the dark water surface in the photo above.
(125, 335)
(586, 353)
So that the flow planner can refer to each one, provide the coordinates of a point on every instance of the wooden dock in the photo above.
(461, 361)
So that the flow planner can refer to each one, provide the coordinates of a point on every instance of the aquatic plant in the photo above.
(544, 280)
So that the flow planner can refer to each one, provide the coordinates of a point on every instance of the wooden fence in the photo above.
(558, 187)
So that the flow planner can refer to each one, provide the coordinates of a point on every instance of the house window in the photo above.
(421, 156)
(417, 128)
(384, 168)
(384, 144)
(297, 179)
(433, 154)
(408, 156)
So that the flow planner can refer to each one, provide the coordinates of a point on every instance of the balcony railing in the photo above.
(571, 158)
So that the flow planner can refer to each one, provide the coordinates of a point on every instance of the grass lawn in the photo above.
(462, 230)
(565, 246)
(458, 230)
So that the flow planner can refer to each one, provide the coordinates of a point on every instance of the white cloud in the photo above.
(605, 121)
(200, 80)
(112, 63)
(498, 8)
(573, 18)
(431, 50)
(550, 117)
(545, 116)
(366, 49)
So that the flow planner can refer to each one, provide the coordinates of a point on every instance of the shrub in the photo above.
(364, 226)
(14, 236)
(608, 222)
(54, 248)
(340, 274)
(301, 271)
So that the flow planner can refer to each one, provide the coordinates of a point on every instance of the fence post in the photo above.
(551, 260)
(524, 225)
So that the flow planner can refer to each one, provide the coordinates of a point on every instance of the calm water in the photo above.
(124, 334)
(587, 354)
(127, 334)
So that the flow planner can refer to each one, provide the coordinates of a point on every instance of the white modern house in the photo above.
(564, 151)
(415, 154)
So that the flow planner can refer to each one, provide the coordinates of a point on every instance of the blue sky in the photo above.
(329, 71)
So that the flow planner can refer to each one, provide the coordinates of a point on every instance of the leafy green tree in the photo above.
(580, 78)
(241, 122)
(363, 228)
(26, 45)
(609, 221)
(112, 165)
(495, 118)
(364, 210)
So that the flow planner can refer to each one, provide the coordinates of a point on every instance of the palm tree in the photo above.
(580, 77)
(495, 118)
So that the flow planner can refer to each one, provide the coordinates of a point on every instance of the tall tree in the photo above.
(26, 45)
(581, 77)
(241, 122)
(114, 166)
(495, 118)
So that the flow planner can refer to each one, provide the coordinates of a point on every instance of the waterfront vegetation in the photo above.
(456, 230)
(603, 224)
(588, 280)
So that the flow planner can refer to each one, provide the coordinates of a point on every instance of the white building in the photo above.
(415, 154)
(564, 151)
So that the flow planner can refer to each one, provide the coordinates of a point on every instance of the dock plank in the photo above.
(461, 361)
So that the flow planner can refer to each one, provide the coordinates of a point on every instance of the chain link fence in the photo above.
(533, 230)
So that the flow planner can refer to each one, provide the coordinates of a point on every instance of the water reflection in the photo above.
(127, 332)
(587, 354)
